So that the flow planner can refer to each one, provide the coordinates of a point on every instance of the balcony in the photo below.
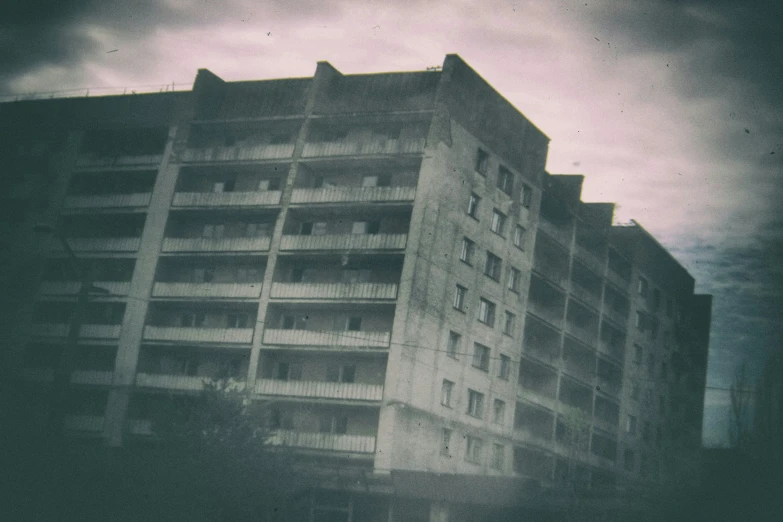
(560, 234)
(105, 244)
(198, 335)
(345, 242)
(77, 377)
(118, 161)
(181, 382)
(551, 271)
(208, 290)
(96, 331)
(336, 291)
(617, 279)
(118, 288)
(206, 244)
(108, 201)
(226, 199)
(321, 390)
(583, 334)
(92, 423)
(359, 148)
(550, 314)
(327, 338)
(353, 194)
(619, 318)
(325, 441)
(590, 259)
(242, 153)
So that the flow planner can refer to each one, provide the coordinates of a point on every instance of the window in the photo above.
(317, 228)
(289, 372)
(473, 205)
(445, 442)
(527, 195)
(306, 228)
(333, 424)
(638, 354)
(505, 180)
(460, 293)
(481, 356)
(498, 411)
(289, 322)
(487, 312)
(237, 321)
(640, 321)
(635, 392)
(218, 187)
(509, 322)
(628, 460)
(341, 373)
(203, 275)
(370, 181)
(493, 266)
(213, 231)
(359, 227)
(505, 367)
(453, 345)
(269, 184)
(643, 286)
(446, 392)
(192, 319)
(468, 251)
(473, 449)
(498, 456)
(519, 237)
(630, 425)
(256, 229)
(514, 277)
(498, 224)
(475, 404)
(353, 324)
(482, 162)
(355, 276)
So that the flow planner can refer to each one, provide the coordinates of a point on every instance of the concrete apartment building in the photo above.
(384, 255)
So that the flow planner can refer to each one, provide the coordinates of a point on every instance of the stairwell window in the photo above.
(475, 404)
(487, 312)
(446, 392)
(498, 224)
(482, 162)
(460, 295)
(481, 357)
(473, 205)
(505, 180)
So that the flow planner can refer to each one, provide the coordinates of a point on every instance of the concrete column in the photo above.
(138, 298)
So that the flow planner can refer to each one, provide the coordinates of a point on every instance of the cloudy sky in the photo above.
(670, 108)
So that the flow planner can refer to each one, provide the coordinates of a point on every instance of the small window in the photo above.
(384, 180)
(218, 187)
(509, 323)
(498, 411)
(445, 442)
(319, 228)
(473, 205)
(519, 237)
(453, 345)
(482, 162)
(487, 312)
(467, 251)
(373, 227)
(475, 404)
(289, 322)
(446, 392)
(237, 321)
(256, 229)
(354, 324)
(643, 286)
(498, 224)
(505, 180)
(493, 266)
(460, 293)
(297, 275)
(306, 228)
(514, 276)
(481, 356)
(505, 367)
(318, 182)
(498, 456)
(473, 450)
(527, 195)
(359, 227)
(630, 425)
(370, 181)
(341, 425)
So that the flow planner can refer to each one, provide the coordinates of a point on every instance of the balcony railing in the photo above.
(617, 279)
(118, 161)
(345, 242)
(72, 287)
(610, 387)
(321, 390)
(327, 338)
(212, 290)
(353, 194)
(97, 331)
(205, 244)
(615, 350)
(198, 335)
(226, 199)
(550, 271)
(562, 235)
(585, 295)
(181, 382)
(105, 244)
(238, 153)
(585, 335)
(550, 314)
(334, 290)
(84, 423)
(580, 369)
(77, 377)
(108, 201)
(325, 441)
(590, 259)
(357, 148)
(619, 318)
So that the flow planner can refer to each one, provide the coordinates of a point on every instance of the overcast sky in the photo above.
(669, 108)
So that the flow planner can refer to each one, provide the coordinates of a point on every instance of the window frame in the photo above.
(509, 323)
(460, 298)
(487, 312)
(520, 233)
(505, 181)
(473, 449)
(447, 393)
(482, 162)
(504, 369)
(514, 276)
(481, 356)
(467, 251)
(475, 404)
(499, 411)
(498, 223)
(453, 343)
(473, 205)
(493, 266)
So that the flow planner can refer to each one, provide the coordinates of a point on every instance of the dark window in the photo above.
(482, 162)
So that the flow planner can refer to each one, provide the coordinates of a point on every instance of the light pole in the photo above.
(62, 374)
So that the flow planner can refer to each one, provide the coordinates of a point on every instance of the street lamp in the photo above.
(62, 374)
